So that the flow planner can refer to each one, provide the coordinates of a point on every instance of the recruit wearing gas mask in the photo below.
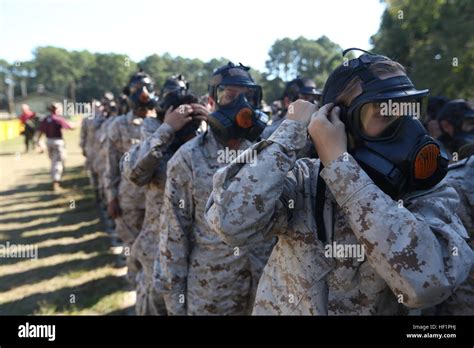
(141, 92)
(175, 92)
(302, 88)
(237, 114)
(402, 159)
(460, 116)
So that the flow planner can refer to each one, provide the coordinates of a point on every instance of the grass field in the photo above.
(77, 270)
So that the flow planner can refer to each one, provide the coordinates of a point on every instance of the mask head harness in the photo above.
(175, 92)
(109, 104)
(175, 84)
(302, 87)
(141, 91)
(236, 116)
(404, 158)
(459, 114)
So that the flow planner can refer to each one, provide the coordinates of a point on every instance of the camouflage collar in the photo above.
(210, 145)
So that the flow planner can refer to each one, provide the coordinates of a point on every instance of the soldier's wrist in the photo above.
(291, 134)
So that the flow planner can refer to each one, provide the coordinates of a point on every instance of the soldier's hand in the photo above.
(301, 110)
(200, 112)
(179, 117)
(113, 208)
(328, 133)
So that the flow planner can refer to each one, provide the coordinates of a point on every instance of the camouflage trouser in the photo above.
(149, 301)
(93, 178)
(462, 301)
(128, 226)
(218, 283)
(144, 250)
(57, 154)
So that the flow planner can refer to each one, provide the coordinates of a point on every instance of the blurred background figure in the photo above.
(51, 126)
(299, 88)
(87, 142)
(456, 121)
(125, 201)
(29, 121)
(435, 104)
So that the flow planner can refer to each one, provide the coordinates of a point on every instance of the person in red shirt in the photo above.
(52, 126)
(28, 118)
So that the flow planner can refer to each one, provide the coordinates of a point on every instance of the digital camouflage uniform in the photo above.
(196, 267)
(460, 176)
(100, 151)
(88, 144)
(408, 249)
(122, 133)
(276, 121)
(146, 166)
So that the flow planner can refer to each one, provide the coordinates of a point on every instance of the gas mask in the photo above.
(403, 157)
(238, 100)
(302, 88)
(238, 119)
(465, 135)
(189, 131)
(141, 92)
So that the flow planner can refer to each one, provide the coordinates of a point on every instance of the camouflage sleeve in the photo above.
(112, 165)
(418, 250)
(83, 135)
(459, 180)
(144, 158)
(176, 223)
(250, 201)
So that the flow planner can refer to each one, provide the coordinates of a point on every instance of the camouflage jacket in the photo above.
(145, 165)
(460, 176)
(122, 133)
(193, 260)
(273, 127)
(87, 137)
(415, 252)
(100, 147)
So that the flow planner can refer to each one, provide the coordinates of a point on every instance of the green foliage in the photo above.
(432, 41)
(313, 59)
(195, 71)
(82, 75)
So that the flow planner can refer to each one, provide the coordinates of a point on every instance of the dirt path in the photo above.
(76, 270)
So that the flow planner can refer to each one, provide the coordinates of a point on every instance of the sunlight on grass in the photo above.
(29, 265)
(79, 272)
(55, 229)
(57, 283)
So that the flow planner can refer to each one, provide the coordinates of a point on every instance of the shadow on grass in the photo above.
(36, 275)
(86, 296)
(101, 243)
(81, 221)
(124, 311)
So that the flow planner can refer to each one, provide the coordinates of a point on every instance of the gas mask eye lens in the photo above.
(227, 94)
(374, 119)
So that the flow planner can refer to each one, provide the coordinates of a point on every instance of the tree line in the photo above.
(432, 41)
